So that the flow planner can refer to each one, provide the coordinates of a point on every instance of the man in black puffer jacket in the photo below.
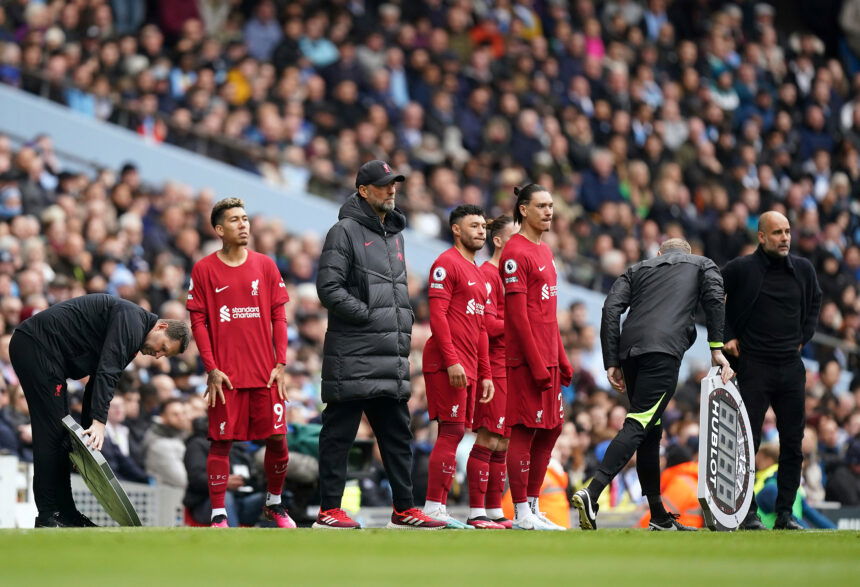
(362, 283)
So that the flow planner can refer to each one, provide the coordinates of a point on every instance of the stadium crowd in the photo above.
(646, 120)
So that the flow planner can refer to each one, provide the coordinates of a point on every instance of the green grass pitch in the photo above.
(156, 557)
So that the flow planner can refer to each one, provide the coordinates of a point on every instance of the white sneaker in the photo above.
(530, 522)
(451, 523)
(552, 525)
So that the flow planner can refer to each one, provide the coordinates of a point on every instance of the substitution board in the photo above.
(99, 477)
(726, 459)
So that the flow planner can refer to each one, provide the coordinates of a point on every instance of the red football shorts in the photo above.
(530, 407)
(492, 416)
(449, 404)
(248, 414)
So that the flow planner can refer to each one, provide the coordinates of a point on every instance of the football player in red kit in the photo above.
(456, 359)
(236, 300)
(491, 445)
(536, 362)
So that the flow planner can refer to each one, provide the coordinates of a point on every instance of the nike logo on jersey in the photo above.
(221, 483)
(278, 426)
(472, 282)
(368, 244)
(220, 289)
(541, 268)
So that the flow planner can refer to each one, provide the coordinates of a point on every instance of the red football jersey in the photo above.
(238, 303)
(495, 307)
(463, 286)
(526, 267)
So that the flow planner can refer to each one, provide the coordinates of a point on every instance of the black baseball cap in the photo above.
(376, 173)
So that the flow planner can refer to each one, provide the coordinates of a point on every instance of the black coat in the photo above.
(662, 294)
(743, 279)
(362, 283)
(95, 335)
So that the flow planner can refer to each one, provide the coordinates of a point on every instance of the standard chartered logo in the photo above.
(548, 291)
(473, 307)
(227, 314)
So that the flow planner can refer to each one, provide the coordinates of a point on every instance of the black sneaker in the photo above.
(78, 520)
(52, 520)
(786, 522)
(587, 509)
(752, 522)
(669, 523)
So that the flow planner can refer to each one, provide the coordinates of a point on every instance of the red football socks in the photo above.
(519, 461)
(443, 461)
(275, 464)
(496, 485)
(218, 469)
(542, 445)
(478, 475)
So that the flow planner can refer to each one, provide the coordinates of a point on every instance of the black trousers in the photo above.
(651, 381)
(389, 419)
(780, 385)
(44, 387)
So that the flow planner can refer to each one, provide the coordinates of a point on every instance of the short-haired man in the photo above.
(93, 336)
(457, 367)
(772, 304)
(236, 300)
(643, 359)
(362, 284)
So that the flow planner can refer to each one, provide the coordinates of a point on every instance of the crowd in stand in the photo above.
(646, 120)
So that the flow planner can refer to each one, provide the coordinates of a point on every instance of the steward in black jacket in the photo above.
(662, 294)
(643, 359)
(93, 336)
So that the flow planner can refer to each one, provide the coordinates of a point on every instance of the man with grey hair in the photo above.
(362, 283)
(643, 359)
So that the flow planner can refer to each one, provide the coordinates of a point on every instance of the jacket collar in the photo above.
(359, 210)
(765, 261)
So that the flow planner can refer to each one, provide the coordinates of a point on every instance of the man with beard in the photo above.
(93, 336)
(362, 284)
(457, 366)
